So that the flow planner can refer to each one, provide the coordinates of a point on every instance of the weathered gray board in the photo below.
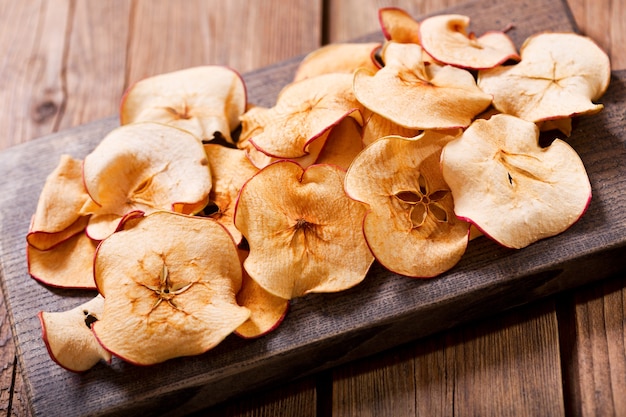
(320, 331)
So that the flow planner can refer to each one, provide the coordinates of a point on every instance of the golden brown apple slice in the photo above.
(512, 189)
(169, 282)
(66, 265)
(398, 25)
(260, 159)
(417, 95)
(203, 100)
(69, 339)
(445, 38)
(267, 311)
(410, 228)
(230, 169)
(304, 111)
(144, 167)
(344, 143)
(304, 232)
(560, 75)
(337, 57)
(57, 216)
(376, 127)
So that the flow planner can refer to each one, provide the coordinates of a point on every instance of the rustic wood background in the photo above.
(65, 63)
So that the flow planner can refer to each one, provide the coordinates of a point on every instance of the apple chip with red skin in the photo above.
(445, 38)
(337, 57)
(304, 111)
(559, 76)
(410, 227)
(304, 232)
(66, 265)
(513, 190)
(203, 100)
(144, 167)
(69, 339)
(344, 143)
(398, 25)
(57, 217)
(376, 127)
(230, 169)
(417, 95)
(267, 311)
(169, 282)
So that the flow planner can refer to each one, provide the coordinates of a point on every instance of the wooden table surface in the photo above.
(65, 63)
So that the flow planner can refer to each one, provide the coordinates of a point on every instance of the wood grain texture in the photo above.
(243, 34)
(447, 374)
(595, 366)
(606, 24)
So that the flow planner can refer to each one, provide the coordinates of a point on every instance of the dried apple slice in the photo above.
(203, 100)
(260, 159)
(508, 186)
(69, 339)
(344, 143)
(419, 96)
(410, 228)
(398, 25)
(67, 265)
(57, 216)
(230, 169)
(267, 311)
(169, 282)
(337, 57)
(304, 232)
(376, 127)
(145, 167)
(560, 75)
(304, 111)
(445, 38)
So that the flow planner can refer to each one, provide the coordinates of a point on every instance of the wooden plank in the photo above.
(595, 368)
(32, 40)
(295, 399)
(392, 289)
(244, 35)
(605, 22)
(466, 372)
(93, 71)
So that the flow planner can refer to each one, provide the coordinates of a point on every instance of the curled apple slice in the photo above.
(410, 228)
(144, 167)
(417, 95)
(230, 169)
(169, 283)
(344, 143)
(376, 127)
(203, 100)
(66, 265)
(445, 38)
(304, 111)
(304, 232)
(559, 76)
(57, 216)
(398, 25)
(337, 57)
(512, 189)
(267, 311)
(69, 339)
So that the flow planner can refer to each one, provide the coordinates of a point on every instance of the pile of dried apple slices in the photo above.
(203, 215)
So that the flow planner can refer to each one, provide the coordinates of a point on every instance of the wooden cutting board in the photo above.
(321, 330)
